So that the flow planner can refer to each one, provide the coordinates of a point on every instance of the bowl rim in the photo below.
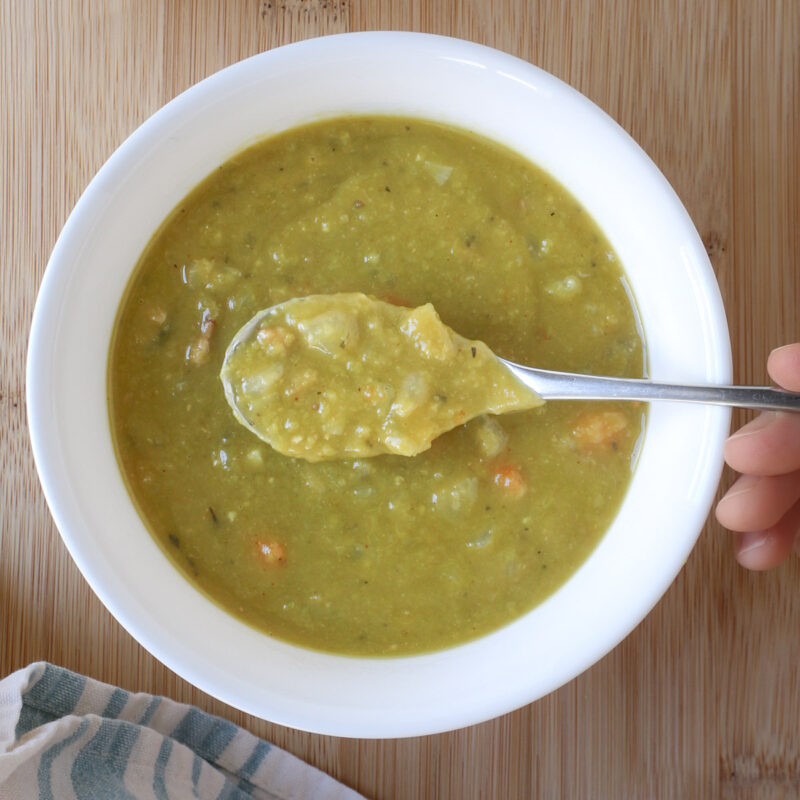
(378, 698)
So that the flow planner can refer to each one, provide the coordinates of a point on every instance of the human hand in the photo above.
(763, 505)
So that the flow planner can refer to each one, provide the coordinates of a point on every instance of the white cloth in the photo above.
(64, 736)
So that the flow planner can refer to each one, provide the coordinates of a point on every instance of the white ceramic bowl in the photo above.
(419, 75)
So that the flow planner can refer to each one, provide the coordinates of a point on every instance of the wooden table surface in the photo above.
(703, 698)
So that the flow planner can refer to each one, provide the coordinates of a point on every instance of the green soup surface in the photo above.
(387, 555)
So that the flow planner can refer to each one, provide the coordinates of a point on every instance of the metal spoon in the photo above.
(289, 371)
(551, 385)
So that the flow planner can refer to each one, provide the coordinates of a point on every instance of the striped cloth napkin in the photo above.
(67, 737)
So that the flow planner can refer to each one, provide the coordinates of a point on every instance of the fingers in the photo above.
(783, 366)
(755, 503)
(765, 549)
(769, 445)
(763, 506)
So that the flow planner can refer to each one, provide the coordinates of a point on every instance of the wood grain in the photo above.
(703, 699)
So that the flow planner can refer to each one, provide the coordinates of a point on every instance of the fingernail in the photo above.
(755, 425)
(751, 540)
(745, 484)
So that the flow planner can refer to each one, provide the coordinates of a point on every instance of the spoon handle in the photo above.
(551, 385)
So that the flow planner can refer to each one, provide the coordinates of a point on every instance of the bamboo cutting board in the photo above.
(703, 699)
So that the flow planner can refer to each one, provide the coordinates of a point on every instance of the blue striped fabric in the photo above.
(66, 737)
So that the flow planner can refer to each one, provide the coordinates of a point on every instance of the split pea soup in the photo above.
(388, 555)
(335, 376)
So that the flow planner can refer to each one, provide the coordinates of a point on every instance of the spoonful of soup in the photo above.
(348, 376)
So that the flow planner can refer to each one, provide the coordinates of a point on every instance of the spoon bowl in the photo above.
(341, 376)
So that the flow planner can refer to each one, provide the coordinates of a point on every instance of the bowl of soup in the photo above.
(378, 594)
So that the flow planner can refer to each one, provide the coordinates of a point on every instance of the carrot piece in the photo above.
(270, 552)
(510, 479)
(595, 430)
